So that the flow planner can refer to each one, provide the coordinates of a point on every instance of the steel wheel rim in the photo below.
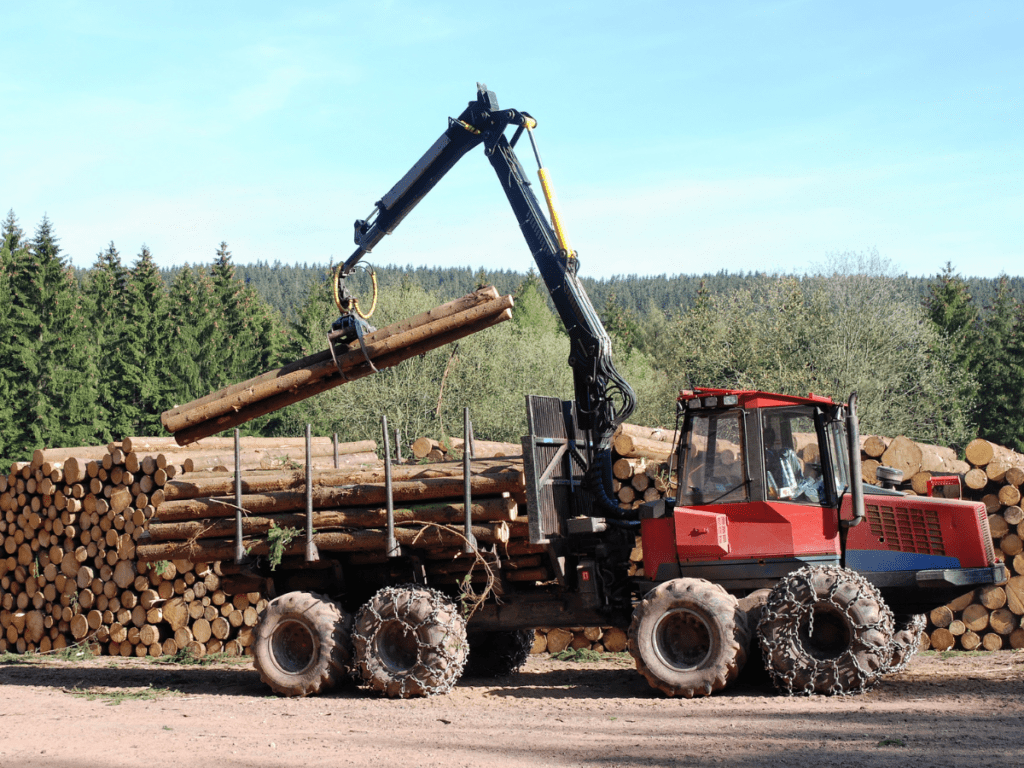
(293, 647)
(682, 639)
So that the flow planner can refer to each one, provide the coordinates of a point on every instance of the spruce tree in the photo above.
(108, 290)
(137, 367)
(10, 233)
(1000, 372)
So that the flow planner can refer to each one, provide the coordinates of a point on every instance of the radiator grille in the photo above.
(905, 529)
(986, 535)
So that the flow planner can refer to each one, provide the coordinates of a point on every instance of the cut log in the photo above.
(639, 447)
(873, 446)
(997, 526)
(1013, 515)
(480, 296)
(976, 479)
(903, 454)
(975, 617)
(941, 616)
(979, 452)
(364, 495)
(970, 640)
(1015, 595)
(992, 597)
(223, 483)
(1011, 545)
(484, 510)
(661, 434)
(991, 641)
(385, 347)
(614, 640)
(1003, 621)
(332, 541)
(558, 640)
(941, 640)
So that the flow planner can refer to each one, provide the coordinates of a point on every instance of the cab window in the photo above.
(712, 469)
(792, 460)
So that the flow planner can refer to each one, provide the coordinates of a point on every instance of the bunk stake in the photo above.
(311, 552)
(467, 496)
(239, 549)
(392, 545)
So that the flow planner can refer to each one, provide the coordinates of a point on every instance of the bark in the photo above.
(331, 380)
(378, 344)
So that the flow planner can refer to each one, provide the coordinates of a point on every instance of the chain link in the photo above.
(906, 640)
(439, 661)
(791, 606)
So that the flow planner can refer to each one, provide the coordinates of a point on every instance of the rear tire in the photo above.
(496, 654)
(825, 629)
(409, 641)
(689, 638)
(906, 639)
(302, 644)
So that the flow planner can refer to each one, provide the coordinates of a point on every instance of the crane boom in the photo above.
(603, 398)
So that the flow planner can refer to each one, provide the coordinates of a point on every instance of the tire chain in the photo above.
(783, 602)
(902, 652)
(452, 652)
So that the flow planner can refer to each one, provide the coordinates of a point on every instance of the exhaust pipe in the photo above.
(856, 479)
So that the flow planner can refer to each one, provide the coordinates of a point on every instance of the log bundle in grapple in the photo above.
(317, 373)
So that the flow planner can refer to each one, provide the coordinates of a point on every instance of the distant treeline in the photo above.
(90, 355)
(284, 285)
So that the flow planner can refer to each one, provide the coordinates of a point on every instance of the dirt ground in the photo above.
(955, 711)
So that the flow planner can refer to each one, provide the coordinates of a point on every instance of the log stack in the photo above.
(70, 524)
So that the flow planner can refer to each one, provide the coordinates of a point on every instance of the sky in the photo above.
(681, 137)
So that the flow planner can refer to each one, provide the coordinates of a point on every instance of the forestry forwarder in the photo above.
(772, 531)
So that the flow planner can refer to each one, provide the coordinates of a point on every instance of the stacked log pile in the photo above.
(317, 373)
(990, 618)
(197, 519)
(70, 525)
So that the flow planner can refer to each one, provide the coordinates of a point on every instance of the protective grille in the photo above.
(986, 535)
(905, 529)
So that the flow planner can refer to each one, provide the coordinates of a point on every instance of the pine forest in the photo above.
(94, 355)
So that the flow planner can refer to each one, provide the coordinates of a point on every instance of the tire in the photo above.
(496, 654)
(409, 641)
(825, 629)
(689, 638)
(302, 644)
(906, 639)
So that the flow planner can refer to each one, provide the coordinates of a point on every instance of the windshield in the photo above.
(712, 470)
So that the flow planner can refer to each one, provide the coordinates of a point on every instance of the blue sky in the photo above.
(682, 137)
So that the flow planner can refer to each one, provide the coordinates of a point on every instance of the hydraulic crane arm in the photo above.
(604, 399)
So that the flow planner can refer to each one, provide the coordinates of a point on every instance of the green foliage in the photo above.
(851, 327)
(114, 696)
(279, 539)
(94, 356)
(583, 655)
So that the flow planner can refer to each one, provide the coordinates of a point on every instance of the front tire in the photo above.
(410, 641)
(689, 638)
(302, 644)
(825, 629)
(499, 653)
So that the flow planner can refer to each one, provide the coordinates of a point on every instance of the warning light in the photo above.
(586, 575)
